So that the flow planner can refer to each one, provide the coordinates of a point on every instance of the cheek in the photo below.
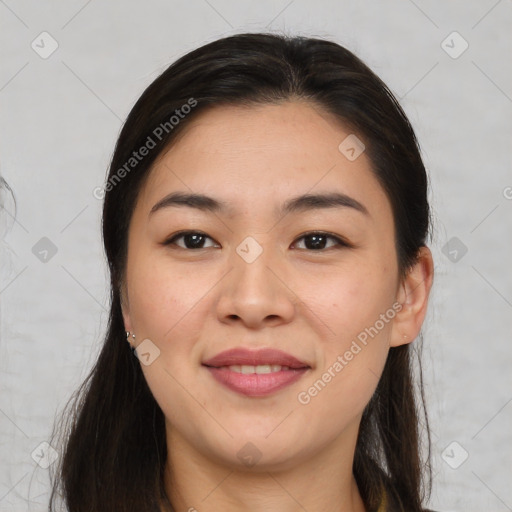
(169, 305)
(351, 359)
(169, 308)
(349, 299)
(161, 297)
(356, 307)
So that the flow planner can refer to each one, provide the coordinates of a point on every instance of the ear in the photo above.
(413, 295)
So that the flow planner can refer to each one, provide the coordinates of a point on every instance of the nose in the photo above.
(256, 294)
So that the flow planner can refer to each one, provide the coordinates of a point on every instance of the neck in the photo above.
(196, 482)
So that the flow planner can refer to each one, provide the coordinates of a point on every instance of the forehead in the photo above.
(260, 155)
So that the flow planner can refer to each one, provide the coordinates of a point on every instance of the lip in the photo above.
(243, 356)
(255, 384)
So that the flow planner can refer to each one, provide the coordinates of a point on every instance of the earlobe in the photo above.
(413, 295)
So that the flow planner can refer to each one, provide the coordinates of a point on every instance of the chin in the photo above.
(258, 454)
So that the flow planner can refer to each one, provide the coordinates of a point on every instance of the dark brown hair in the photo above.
(114, 450)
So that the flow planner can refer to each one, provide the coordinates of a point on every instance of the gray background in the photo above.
(60, 119)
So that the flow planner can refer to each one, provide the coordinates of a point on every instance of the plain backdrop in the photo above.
(448, 63)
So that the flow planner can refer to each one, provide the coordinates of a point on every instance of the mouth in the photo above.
(255, 373)
(259, 369)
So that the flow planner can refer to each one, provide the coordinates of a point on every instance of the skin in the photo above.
(312, 303)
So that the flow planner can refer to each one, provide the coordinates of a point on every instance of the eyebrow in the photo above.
(297, 204)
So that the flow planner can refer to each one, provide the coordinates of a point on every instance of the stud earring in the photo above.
(128, 333)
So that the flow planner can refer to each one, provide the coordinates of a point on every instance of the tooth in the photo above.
(264, 368)
(259, 369)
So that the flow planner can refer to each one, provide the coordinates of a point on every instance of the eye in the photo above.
(191, 240)
(314, 241)
(319, 240)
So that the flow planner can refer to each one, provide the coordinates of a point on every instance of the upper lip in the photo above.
(244, 356)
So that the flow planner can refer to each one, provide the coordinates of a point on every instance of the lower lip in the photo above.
(256, 384)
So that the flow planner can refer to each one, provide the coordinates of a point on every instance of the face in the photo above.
(256, 267)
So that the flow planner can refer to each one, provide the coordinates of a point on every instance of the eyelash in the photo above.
(340, 243)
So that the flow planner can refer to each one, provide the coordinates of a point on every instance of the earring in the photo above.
(128, 338)
(128, 333)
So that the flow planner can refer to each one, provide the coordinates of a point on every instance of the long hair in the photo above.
(113, 434)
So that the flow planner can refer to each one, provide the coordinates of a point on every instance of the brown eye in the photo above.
(191, 240)
(317, 241)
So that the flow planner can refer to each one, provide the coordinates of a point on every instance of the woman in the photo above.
(265, 220)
